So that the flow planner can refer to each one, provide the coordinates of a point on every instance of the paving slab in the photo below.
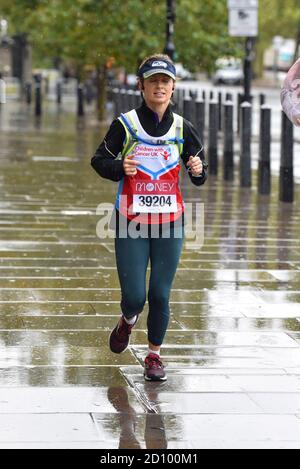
(49, 400)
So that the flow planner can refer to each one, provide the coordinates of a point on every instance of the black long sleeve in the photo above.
(105, 160)
(192, 146)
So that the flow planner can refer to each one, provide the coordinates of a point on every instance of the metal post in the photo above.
(200, 118)
(262, 99)
(131, 99)
(180, 101)
(187, 108)
(213, 137)
(246, 134)
(38, 99)
(122, 100)
(249, 44)
(193, 94)
(115, 100)
(239, 102)
(28, 92)
(264, 167)
(287, 161)
(170, 48)
(80, 107)
(58, 92)
(126, 101)
(220, 99)
(228, 167)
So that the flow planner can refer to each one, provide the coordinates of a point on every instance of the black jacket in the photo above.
(105, 163)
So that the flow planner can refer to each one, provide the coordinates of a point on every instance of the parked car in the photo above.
(228, 72)
(182, 73)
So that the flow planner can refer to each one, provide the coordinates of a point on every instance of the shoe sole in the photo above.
(155, 379)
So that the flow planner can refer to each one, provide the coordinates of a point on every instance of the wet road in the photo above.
(233, 346)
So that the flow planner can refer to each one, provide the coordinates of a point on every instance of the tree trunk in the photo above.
(101, 92)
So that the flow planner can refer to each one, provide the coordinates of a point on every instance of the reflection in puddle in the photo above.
(154, 436)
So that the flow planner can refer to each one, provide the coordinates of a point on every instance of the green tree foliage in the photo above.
(202, 33)
(91, 31)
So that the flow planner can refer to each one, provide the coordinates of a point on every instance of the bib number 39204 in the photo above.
(156, 197)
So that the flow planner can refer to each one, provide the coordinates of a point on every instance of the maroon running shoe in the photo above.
(154, 369)
(119, 338)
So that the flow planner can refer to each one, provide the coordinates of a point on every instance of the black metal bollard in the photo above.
(262, 99)
(80, 106)
(175, 100)
(193, 109)
(180, 101)
(131, 99)
(239, 102)
(28, 92)
(200, 118)
(264, 166)
(286, 192)
(213, 137)
(220, 101)
(116, 102)
(193, 96)
(58, 92)
(246, 134)
(228, 163)
(123, 101)
(127, 101)
(38, 99)
(187, 108)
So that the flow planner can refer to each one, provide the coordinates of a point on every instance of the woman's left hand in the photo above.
(195, 165)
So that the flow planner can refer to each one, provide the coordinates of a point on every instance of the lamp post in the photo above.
(248, 72)
(170, 48)
(243, 22)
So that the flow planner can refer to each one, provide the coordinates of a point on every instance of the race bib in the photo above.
(154, 197)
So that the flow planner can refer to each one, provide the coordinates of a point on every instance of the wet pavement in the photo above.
(233, 346)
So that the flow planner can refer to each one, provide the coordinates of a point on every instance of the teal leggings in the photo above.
(132, 256)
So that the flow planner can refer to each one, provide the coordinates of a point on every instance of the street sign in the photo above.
(242, 4)
(243, 22)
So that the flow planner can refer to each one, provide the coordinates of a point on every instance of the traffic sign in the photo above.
(243, 22)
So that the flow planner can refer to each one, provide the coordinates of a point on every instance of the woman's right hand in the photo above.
(130, 166)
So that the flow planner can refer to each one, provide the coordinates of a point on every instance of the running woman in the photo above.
(142, 150)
